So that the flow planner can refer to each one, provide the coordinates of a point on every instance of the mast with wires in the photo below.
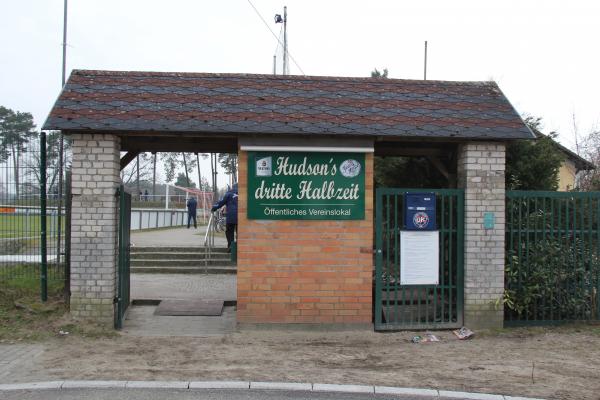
(286, 63)
(280, 20)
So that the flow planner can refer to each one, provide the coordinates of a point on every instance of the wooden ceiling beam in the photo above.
(127, 158)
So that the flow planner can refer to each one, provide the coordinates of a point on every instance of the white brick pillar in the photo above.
(94, 247)
(481, 168)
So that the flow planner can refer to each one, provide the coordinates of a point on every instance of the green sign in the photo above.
(489, 219)
(299, 185)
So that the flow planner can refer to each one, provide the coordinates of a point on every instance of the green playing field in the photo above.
(24, 226)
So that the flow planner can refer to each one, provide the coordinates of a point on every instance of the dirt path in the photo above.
(558, 363)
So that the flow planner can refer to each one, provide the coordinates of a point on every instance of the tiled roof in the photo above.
(241, 103)
(581, 164)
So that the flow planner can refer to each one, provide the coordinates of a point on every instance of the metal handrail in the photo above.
(209, 240)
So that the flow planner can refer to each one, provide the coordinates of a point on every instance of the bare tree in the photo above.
(589, 180)
(32, 163)
(130, 174)
(229, 162)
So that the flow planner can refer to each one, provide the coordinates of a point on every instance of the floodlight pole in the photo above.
(64, 44)
(61, 146)
(154, 178)
(425, 64)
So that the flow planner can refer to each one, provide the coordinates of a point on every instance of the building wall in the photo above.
(567, 176)
(94, 247)
(481, 168)
(299, 271)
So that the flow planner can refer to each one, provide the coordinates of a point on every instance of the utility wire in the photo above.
(275, 36)
(275, 53)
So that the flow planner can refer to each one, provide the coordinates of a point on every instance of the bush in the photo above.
(553, 279)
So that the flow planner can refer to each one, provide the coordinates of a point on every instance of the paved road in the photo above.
(175, 394)
(17, 357)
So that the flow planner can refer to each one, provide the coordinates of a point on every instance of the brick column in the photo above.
(481, 174)
(95, 179)
(302, 271)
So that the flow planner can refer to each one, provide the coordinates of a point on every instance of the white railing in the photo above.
(152, 218)
(209, 239)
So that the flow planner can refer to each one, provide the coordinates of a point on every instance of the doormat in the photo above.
(190, 308)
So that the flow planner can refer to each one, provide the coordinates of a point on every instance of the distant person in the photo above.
(230, 200)
(192, 203)
(146, 195)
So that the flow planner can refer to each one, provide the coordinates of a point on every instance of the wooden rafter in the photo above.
(128, 157)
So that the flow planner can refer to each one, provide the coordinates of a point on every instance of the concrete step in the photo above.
(211, 269)
(177, 263)
(176, 249)
(161, 255)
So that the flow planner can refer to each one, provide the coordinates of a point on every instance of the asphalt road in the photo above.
(182, 394)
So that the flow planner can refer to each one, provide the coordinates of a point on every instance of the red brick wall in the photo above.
(304, 271)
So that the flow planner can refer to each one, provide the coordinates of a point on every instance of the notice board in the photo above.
(306, 185)
(419, 257)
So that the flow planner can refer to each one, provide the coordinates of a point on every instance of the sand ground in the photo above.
(557, 363)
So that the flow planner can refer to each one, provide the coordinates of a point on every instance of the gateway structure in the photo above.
(307, 217)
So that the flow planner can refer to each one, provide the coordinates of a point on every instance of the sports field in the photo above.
(16, 226)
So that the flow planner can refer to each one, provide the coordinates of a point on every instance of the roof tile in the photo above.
(241, 103)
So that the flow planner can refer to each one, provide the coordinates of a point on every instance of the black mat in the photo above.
(190, 307)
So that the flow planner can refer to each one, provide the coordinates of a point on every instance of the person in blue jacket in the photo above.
(230, 200)
(192, 204)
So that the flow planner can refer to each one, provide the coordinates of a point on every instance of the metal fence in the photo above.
(20, 213)
(552, 257)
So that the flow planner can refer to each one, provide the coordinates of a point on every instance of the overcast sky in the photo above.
(544, 55)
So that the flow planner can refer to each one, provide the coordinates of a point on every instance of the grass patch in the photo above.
(24, 317)
(24, 226)
(27, 276)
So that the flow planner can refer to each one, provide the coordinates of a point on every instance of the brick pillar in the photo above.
(302, 271)
(481, 174)
(95, 179)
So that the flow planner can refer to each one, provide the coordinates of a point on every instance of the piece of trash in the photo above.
(61, 332)
(426, 338)
(463, 333)
(430, 337)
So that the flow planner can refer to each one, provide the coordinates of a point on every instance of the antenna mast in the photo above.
(286, 61)
(286, 67)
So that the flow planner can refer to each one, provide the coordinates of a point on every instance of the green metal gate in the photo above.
(419, 306)
(122, 298)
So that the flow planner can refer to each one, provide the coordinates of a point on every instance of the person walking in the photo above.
(192, 203)
(230, 200)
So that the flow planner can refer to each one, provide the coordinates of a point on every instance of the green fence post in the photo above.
(379, 256)
(44, 261)
(234, 251)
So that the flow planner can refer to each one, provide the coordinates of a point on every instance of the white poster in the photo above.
(419, 257)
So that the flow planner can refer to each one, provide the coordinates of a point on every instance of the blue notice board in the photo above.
(419, 211)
